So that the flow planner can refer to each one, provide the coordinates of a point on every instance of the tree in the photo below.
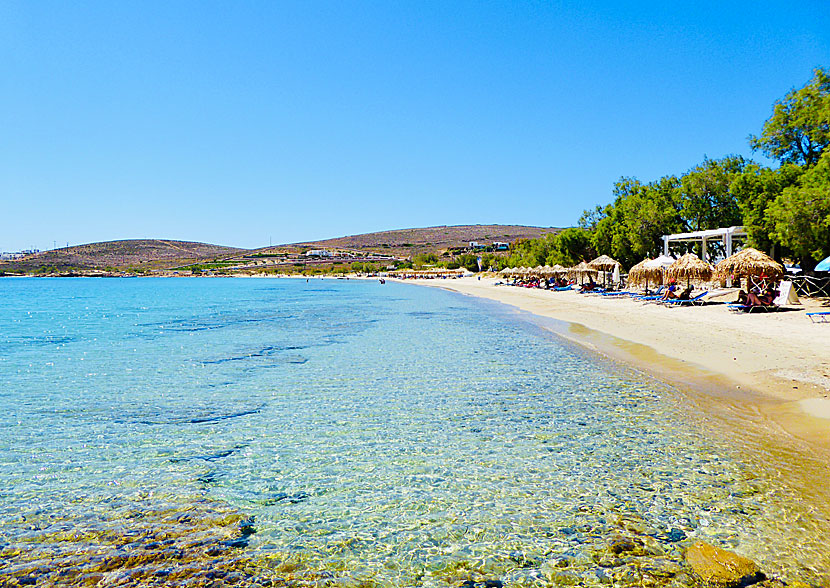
(756, 188)
(799, 129)
(704, 193)
(569, 247)
(800, 215)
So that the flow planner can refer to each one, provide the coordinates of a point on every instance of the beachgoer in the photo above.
(669, 293)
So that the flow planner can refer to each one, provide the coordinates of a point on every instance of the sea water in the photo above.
(334, 432)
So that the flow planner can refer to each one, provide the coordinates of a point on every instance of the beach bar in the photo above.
(727, 234)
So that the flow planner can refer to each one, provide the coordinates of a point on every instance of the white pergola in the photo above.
(726, 234)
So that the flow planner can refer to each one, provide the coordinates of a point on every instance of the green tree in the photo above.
(800, 215)
(568, 247)
(755, 189)
(704, 194)
(632, 227)
(799, 129)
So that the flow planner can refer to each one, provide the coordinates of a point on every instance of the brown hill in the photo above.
(406, 242)
(133, 253)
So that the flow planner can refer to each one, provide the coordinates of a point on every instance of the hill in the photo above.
(408, 242)
(136, 254)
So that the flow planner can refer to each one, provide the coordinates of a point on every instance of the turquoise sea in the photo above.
(279, 432)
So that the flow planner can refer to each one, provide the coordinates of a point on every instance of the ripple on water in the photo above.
(419, 440)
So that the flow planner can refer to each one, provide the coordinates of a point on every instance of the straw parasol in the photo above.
(691, 267)
(650, 270)
(749, 263)
(581, 270)
(604, 263)
(558, 269)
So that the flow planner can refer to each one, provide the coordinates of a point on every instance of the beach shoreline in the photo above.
(777, 364)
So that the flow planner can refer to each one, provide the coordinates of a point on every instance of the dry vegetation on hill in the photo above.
(407, 242)
(139, 256)
(135, 254)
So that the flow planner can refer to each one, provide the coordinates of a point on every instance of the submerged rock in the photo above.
(721, 568)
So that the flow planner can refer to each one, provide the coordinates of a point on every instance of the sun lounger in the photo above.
(623, 293)
(752, 307)
(695, 301)
(819, 317)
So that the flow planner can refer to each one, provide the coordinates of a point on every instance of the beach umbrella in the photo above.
(558, 269)
(639, 273)
(650, 270)
(749, 263)
(691, 267)
(604, 264)
(582, 270)
(823, 265)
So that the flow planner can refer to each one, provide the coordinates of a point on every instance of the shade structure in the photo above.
(749, 263)
(823, 265)
(581, 270)
(604, 263)
(689, 267)
(558, 269)
(640, 274)
(650, 271)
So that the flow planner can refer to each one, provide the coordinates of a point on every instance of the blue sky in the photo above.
(239, 122)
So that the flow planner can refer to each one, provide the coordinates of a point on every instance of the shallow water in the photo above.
(339, 432)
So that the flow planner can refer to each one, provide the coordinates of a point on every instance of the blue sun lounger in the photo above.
(819, 317)
(696, 301)
(752, 308)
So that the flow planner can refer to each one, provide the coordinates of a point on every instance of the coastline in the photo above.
(774, 365)
(752, 382)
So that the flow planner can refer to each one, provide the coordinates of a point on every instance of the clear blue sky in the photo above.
(235, 122)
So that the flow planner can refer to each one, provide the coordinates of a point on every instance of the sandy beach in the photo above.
(775, 364)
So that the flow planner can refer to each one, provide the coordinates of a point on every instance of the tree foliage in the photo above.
(799, 129)
(800, 215)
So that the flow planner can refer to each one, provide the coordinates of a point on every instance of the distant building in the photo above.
(500, 246)
(13, 255)
(318, 253)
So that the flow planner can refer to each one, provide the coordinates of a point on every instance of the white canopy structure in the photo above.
(726, 234)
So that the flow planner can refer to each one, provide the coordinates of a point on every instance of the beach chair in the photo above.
(752, 307)
(819, 317)
(694, 301)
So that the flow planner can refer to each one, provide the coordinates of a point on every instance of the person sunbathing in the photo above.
(684, 295)
(669, 293)
(764, 299)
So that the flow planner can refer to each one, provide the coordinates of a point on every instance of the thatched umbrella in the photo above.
(749, 263)
(581, 270)
(558, 269)
(691, 267)
(604, 264)
(650, 270)
(638, 274)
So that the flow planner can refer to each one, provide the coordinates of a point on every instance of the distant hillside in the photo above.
(406, 242)
(135, 253)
